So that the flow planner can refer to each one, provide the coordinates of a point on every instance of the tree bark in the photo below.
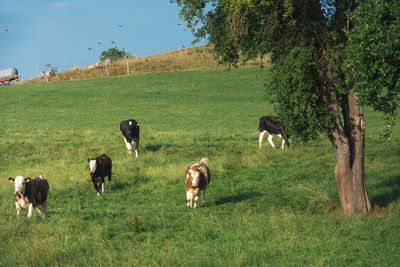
(348, 140)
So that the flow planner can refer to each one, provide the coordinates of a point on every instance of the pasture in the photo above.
(263, 207)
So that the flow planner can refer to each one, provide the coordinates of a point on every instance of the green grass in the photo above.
(263, 207)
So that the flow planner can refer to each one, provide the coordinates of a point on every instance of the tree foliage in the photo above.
(373, 57)
(113, 54)
(357, 40)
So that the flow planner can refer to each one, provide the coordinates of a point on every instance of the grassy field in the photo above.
(263, 207)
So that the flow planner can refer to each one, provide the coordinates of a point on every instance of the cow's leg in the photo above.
(42, 210)
(44, 206)
(18, 208)
(195, 201)
(39, 211)
(260, 138)
(270, 141)
(189, 199)
(128, 145)
(136, 147)
(283, 141)
(98, 188)
(30, 210)
(102, 186)
(136, 141)
(109, 181)
(202, 192)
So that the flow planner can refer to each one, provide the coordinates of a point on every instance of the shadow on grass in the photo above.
(139, 180)
(119, 186)
(238, 197)
(156, 147)
(393, 185)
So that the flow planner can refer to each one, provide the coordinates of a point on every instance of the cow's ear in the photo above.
(88, 160)
(11, 179)
(27, 179)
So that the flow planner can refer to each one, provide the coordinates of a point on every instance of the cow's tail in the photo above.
(204, 161)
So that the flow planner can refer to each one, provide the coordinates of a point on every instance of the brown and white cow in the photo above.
(197, 178)
(30, 193)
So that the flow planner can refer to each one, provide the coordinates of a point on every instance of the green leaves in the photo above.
(299, 99)
(373, 57)
(113, 54)
(320, 49)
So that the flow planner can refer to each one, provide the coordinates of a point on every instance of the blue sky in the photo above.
(59, 32)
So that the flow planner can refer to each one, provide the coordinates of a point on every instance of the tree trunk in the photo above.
(349, 142)
(348, 139)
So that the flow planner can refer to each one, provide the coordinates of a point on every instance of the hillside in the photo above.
(263, 206)
(193, 58)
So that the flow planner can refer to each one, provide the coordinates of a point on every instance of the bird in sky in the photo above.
(120, 25)
(98, 43)
(112, 42)
(89, 48)
(6, 30)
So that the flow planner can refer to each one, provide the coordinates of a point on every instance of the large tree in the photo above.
(330, 58)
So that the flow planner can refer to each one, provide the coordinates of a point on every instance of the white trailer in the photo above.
(8, 75)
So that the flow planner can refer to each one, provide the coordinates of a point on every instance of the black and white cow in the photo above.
(130, 133)
(273, 128)
(30, 193)
(99, 168)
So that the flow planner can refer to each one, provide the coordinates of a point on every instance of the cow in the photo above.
(197, 178)
(50, 73)
(30, 193)
(273, 127)
(130, 133)
(99, 168)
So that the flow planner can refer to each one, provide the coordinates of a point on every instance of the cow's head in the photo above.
(194, 176)
(133, 129)
(92, 165)
(19, 183)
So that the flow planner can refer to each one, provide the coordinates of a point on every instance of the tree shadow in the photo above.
(119, 186)
(384, 199)
(241, 196)
(139, 180)
(156, 147)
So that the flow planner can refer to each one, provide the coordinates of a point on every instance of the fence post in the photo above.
(127, 65)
